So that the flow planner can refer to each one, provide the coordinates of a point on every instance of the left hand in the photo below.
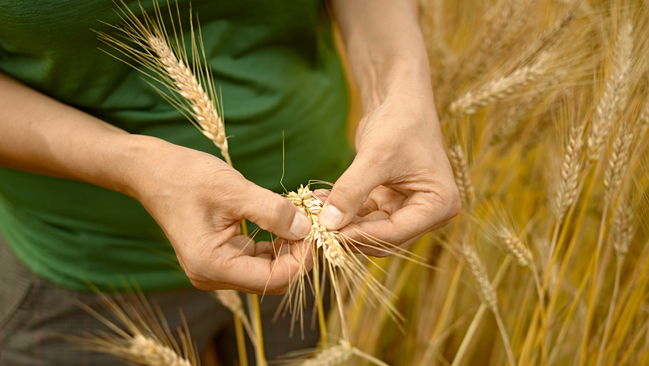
(400, 184)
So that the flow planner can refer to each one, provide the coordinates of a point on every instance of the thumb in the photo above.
(274, 213)
(349, 194)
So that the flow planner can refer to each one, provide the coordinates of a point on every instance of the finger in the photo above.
(322, 194)
(349, 193)
(261, 275)
(274, 213)
(422, 213)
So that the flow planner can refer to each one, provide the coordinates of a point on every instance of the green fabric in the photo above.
(277, 67)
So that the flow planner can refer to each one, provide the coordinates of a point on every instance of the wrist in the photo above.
(132, 161)
(397, 75)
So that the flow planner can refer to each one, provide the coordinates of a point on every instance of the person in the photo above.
(100, 174)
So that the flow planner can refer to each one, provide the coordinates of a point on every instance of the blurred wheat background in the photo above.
(545, 108)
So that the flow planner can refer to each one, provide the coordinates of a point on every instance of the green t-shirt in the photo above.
(278, 70)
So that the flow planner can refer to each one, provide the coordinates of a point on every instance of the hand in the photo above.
(400, 185)
(199, 201)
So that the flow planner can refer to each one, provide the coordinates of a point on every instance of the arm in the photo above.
(197, 199)
(401, 181)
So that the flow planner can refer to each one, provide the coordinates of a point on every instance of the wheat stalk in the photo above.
(462, 176)
(615, 89)
(498, 89)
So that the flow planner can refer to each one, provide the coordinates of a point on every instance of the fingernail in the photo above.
(301, 225)
(331, 218)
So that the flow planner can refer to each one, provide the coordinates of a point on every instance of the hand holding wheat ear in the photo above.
(197, 199)
(400, 184)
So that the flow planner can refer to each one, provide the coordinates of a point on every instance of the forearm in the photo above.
(385, 46)
(42, 135)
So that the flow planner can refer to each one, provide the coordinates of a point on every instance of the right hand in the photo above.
(200, 201)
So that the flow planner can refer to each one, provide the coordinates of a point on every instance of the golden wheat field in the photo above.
(544, 106)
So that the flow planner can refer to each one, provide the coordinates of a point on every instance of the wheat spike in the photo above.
(462, 177)
(204, 111)
(335, 355)
(507, 128)
(192, 91)
(331, 356)
(328, 240)
(498, 89)
(623, 228)
(570, 170)
(231, 300)
(515, 246)
(617, 162)
(480, 274)
(644, 120)
(146, 351)
(549, 37)
(615, 89)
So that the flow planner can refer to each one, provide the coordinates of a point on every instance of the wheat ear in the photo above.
(328, 240)
(462, 176)
(488, 293)
(192, 91)
(644, 120)
(617, 162)
(515, 246)
(508, 127)
(149, 352)
(478, 271)
(340, 353)
(615, 88)
(623, 228)
(204, 112)
(570, 170)
(498, 89)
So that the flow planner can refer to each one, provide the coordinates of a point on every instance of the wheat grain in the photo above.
(498, 89)
(462, 177)
(480, 274)
(615, 89)
(570, 171)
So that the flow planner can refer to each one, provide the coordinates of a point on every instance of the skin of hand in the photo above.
(400, 184)
(195, 197)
